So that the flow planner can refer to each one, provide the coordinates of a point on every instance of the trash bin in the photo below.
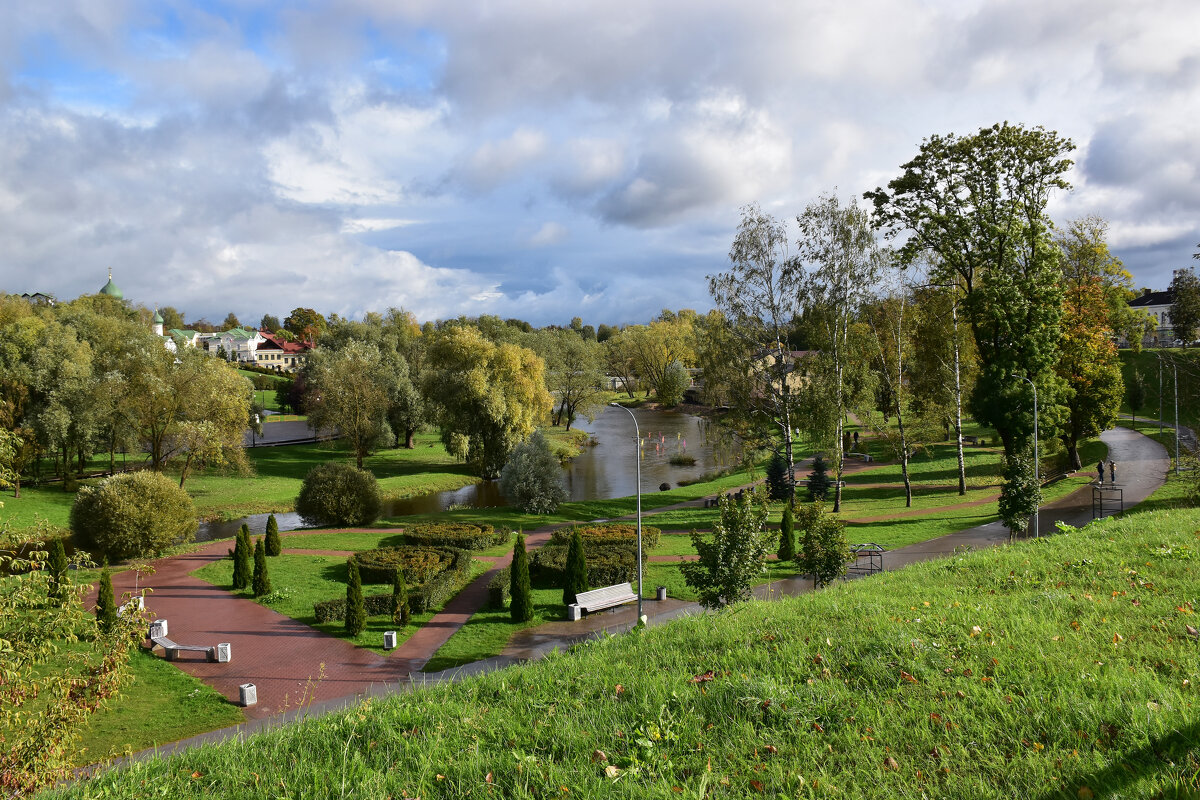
(660, 593)
(224, 652)
(389, 640)
(248, 694)
(158, 629)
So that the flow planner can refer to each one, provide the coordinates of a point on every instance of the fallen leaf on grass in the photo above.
(757, 785)
(598, 755)
(890, 763)
(1195, 634)
(196, 776)
(703, 677)
(487, 778)
(611, 772)
(1085, 793)
(907, 677)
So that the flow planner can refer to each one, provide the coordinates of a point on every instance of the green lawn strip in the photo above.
(1019, 671)
(308, 579)
(162, 704)
(48, 505)
(345, 540)
(487, 632)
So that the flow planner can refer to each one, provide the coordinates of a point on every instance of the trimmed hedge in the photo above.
(431, 593)
(500, 589)
(610, 533)
(608, 563)
(463, 535)
(420, 564)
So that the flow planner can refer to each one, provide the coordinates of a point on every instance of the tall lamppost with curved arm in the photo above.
(637, 457)
(1037, 513)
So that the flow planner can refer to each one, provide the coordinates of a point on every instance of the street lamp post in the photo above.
(1037, 513)
(637, 457)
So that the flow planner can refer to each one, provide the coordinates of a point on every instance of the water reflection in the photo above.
(602, 471)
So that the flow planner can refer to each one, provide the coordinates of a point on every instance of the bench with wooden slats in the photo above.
(173, 650)
(606, 597)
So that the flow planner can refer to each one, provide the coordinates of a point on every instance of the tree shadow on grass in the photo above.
(1174, 757)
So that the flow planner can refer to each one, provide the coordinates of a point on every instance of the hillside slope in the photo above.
(1053, 668)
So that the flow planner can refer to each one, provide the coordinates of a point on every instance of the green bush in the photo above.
(131, 515)
(462, 535)
(609, 533)
(575, 578)
(520, 607)
(500, 588)
(339, 495)
(356, 613)
(241, 558)
(401, 613)
(532, 477)
(420, 564)
(261, 582)
(606, 564)
(420, 598)
(274, 545)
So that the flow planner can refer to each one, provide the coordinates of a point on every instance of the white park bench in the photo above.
(158, 637)
(596, 599)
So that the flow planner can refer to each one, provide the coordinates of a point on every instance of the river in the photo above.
(604, 470)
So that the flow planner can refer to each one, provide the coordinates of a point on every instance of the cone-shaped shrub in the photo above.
(356, 612)
(787, 536)
(274, 546)
(106, 603)
(575, 576)
(57, 567)
(520, 608)
(262, 580)
(241, 559)
(400, 610)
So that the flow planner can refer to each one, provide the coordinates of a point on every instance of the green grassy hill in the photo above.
(1058, 668)
(1187, 360)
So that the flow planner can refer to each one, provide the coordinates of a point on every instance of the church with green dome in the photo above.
(111, 289)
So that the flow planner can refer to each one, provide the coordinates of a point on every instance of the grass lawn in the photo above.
(1051, 668)
(163, 704)
(304, 580)
(486, 633)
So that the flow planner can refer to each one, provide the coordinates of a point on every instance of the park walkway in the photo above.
(293, 665)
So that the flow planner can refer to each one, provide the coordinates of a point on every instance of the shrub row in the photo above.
(435, 592)
(463, 535)
(420, 564)
(500, 588)
(608, 533)
(607, 563)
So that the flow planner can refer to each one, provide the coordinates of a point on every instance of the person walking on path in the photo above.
(1100, 470)
(1112, 472)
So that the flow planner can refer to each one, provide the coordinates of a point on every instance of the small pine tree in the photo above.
(787, 535)
(356, 611)
(57, 567)
(521, 605)
(818, 480)
(262, 580)
(274, 545)
(575, 575)
(779, 488)
(401, 613)
(106, 602)
(242, 555)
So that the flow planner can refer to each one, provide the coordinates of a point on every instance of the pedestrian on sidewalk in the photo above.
(1112, 472)
(1100, 470)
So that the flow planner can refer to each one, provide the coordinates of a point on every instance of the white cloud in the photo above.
(549, 234)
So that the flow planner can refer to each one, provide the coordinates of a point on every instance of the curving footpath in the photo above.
(298, 670)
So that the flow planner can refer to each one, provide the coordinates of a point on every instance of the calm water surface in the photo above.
(601, 472)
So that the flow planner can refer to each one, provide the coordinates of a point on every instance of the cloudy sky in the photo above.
(540, 159)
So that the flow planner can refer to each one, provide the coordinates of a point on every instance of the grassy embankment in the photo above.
(1035, 670)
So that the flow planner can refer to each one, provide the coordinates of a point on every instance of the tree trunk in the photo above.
(17, 486)
(1073, 454)
(962, 466)
(410, 438)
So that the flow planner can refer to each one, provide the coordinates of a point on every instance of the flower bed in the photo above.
(463, 535)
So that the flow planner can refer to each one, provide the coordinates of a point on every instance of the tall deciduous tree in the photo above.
(1185, 306)
(305, 324)
(839, 260)
(346, 392)
(494, 395)
(574, 372)
(760, 297)
(975, 205)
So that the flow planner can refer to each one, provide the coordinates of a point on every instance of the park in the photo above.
(876, 521)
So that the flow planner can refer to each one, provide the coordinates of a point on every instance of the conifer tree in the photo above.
(818, 480)
(262, 580)
(274, 545)
(241, 559)
(521, 605)
(356, 611)
(401, 614)
(57, 567)
(106, 603)
(575, 576)
(787, 535)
